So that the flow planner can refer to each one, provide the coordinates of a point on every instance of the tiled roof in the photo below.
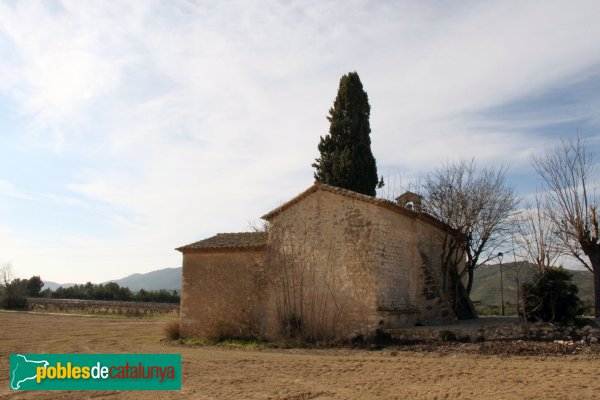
(238, 240)
(358, 196)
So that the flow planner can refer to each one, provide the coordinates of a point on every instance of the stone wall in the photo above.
(334, 266)
(409, 289)
(500, 330)
(223, 293)
(435, 303)
(383, 265)
(326, 246)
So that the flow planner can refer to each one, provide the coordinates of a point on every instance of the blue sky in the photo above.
(130, 128)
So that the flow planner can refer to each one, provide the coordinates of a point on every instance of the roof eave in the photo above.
(186, 249)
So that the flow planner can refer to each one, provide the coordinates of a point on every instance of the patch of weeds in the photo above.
(171, 330)
(192, 341)
(242, 343)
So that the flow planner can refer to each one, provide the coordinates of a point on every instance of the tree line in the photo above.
(14, 291)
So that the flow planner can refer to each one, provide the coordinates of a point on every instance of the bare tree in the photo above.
(6, 274)
(258, 225)
(569, 173)
(536, 234)
(477, 204)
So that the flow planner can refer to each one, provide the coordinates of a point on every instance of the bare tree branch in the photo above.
(568, 171)
(478, 204)
(536, 237)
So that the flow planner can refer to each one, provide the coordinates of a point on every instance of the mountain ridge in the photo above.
(166, 278)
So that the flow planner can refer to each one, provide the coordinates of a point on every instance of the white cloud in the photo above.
(198, 117)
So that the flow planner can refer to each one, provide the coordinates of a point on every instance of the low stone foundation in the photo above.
(495, 329)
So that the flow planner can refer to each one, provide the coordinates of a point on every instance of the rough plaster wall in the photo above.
(223, 294)
(337, 235)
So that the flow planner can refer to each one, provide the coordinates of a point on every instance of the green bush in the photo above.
(14, 296)
(552, 297)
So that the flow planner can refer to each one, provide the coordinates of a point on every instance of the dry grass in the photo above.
(213, 372)
(171, 329)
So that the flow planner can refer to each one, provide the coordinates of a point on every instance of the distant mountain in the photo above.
(168, 278)
(486, 286)
(54, 285)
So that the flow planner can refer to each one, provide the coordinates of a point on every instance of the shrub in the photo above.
(552, 297)
(13, 296)
(171, 330)
(14, 301)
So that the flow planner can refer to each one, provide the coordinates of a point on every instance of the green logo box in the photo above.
(95, 371)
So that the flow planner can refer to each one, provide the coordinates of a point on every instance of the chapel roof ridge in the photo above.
(359, 196)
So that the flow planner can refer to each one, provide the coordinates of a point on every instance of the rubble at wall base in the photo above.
(505, 331)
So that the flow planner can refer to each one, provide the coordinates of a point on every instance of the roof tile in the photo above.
(237, 240)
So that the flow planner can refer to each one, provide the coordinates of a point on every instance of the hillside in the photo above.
(168, 278)
(486, 287)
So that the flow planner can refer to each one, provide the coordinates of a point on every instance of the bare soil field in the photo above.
(452, 371)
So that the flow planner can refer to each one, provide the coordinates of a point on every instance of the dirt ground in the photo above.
(212, 372)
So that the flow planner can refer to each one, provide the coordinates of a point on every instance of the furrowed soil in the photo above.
(443, 371)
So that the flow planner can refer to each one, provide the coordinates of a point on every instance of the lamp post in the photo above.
(500, 255)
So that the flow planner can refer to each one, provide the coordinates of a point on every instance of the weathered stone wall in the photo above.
(334, 266)
(398, 274)
(223, 293)
(409, 288)
(434, 302)
(334, 238)
(386, 264)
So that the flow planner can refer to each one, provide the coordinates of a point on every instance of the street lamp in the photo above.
(500, 255)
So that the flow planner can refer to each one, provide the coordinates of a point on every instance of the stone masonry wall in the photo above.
(408, 282)
(334, 266)
(335, 239)
(434, 302)
(223, 293)
(382, 278)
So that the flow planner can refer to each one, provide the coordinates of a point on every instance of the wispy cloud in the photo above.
(179, 119)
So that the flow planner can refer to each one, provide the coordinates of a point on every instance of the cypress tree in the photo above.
(346, 159)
